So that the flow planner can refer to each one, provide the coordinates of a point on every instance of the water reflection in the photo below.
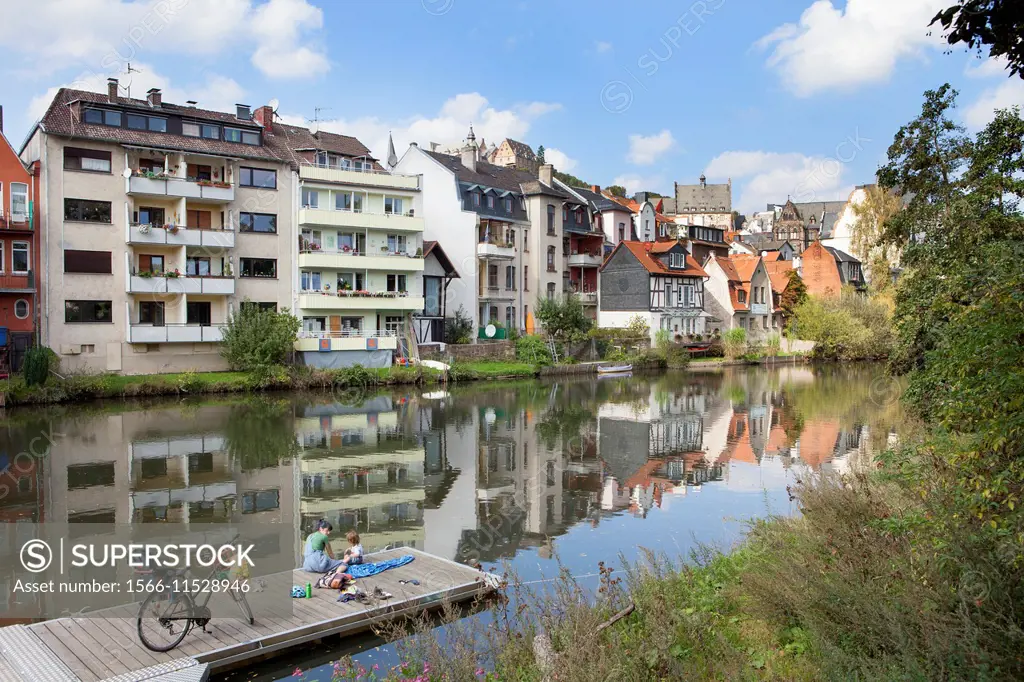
(480, 473)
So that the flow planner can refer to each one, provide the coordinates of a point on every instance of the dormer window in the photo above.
(490, 201)
(741, 296)
(476, 199)
(508, 204)
(565, 214)
(677, 260)
(579, 215)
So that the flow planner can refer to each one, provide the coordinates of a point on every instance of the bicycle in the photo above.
(171, 606)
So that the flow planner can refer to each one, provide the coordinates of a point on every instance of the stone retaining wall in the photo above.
(484, 350)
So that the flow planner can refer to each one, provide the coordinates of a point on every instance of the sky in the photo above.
(787, 98)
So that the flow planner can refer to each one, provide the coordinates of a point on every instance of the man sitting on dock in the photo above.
(317, 556)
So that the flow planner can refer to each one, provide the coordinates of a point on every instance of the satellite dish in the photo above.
(127, 173)
(490, 330)
(274, 104)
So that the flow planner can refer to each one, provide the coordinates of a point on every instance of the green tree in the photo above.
(458, 329)
(879, 206)
(256, 339)
(617, 190)
(564, 319)
(540, 154)
(996, 24)
(792, 296)
(570, 180)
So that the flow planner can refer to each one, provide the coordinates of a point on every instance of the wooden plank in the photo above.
(56, 644)
(124, 650)
(63, 629)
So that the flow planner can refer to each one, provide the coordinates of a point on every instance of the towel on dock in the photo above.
(366, 570)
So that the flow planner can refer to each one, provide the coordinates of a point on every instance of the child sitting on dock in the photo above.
(354, 554)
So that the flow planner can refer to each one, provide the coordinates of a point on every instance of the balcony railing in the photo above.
(170, 332)
(18, 281)
(181, 235)
(348, 334)
(158, 184)
(169, 283)
(18, 223)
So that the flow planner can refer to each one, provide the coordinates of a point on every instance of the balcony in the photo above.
(339, 260)
(197, 190)
(493, 249)
(183, 284)
(320, 300)
(497, 294)
(391, 222)
(367, 178)
(585, 260)
(175, 333)
(347, 340)
(17, 223)
(588, 297)
(18, 282)
(177, 235)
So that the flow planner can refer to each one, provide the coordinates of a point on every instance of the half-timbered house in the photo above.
(659, 281)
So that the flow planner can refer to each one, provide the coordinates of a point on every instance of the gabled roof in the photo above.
(521, 149)
(304, 139)
(642, 252)
(624, 202)
(778, 274)
(596, 200)
(486, 174)
(841, 256)
(703, 198)
(433, 248)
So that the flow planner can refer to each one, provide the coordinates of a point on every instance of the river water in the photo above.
(528, 475)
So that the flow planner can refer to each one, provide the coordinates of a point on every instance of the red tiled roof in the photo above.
(778, 274)
(622, 201)
(663, 246)
(642, 252)
(770, 256)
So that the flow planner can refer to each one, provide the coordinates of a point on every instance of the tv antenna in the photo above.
(316, 117)
(128, 72)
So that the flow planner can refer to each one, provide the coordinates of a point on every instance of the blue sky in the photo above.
(786, 97)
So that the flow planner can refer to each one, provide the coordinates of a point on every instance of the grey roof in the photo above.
(828, 223)
(535, 186)
(486, 174)
(595, 200)
(841, 256)
(521, 149)
(703, 198)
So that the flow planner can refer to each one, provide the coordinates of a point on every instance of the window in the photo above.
(397, 243)
(150, 263)
(311, 281)
(197, 267)
(21, 309)
(526, 240)
(243, 136)
(149, 216)
(510, 317)
(257, 222)
(551, 259)
(342, 201)
(258, 177)
(190, 129)
(19, 202)
(526, 281)
(393, 323)
(551, 219)
(510, 277)
(151, 312)
(157, 125)
(565, 246)
(200, 172)
(397, 283)
(202, 220)
(579, 216)
(764, 322)
(432, 296)
(508, 204)
(551, 290)
(87, 311)
(310, 198)
(622, 231)
(393, 205)
(2, 265)
(261, 305)
(137, 122)
(565, 214)
(97, 262)
(210, 132)
(476, 198)
(677, 260)
(688, 295)
(352, 324)
(259, 267)
(103, 117)
(19, 257)
(198, 312)
(357, 203)
(490, 201)
(86, 210)
(511, 236)
(741, 296)
(350, 281)
(86, 160)
(492, 276)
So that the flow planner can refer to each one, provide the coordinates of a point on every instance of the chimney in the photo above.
(469, 157)
(434, 146)
(112, 89)
(242, 112)
(191, 102)
(547, 172)
(154, 97)
(265, 117)
(596, 189)
(413, 144)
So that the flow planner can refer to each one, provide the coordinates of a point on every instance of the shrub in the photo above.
(564, 318)
(39, 360)
(849, 327)
(532, 348)
(458, 329)
(734, 342)
(773, 345)
(189, 382)
(638, 327)
(255, 338)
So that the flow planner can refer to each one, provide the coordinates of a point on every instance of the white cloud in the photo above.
(212, 92)
(602, 46)
(841, 49)
(987, 68)
(771, 177)
(639, 183)
(101, 36)
(645, 149)
(448, 127)
(560, 160)
(1008, 94)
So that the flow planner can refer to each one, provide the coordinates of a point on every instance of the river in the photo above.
(527, 476)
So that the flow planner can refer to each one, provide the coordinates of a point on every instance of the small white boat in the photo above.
(434, 364)
(615, 369)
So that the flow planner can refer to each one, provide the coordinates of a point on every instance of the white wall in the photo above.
(716, 297)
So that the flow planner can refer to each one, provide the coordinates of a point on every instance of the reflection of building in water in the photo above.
(362, 468)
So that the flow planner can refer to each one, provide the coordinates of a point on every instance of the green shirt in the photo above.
(317, 541)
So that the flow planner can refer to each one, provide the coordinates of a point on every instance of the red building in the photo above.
(19, 255)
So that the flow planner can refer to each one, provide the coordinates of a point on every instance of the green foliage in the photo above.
(564, 319)
(540, 154)
(637, 327)
(617, 190)
(773, 345)
(38, 362)
(256, 339)
(533, 349)
(734, 342)
(993, 24)
(259, 433)
(848, 327)
(458, 329)
(791, 298)
(570, 180)
(189, 382)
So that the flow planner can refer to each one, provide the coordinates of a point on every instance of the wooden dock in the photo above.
(107, 648)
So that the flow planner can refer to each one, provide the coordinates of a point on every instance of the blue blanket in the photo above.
(366, 570)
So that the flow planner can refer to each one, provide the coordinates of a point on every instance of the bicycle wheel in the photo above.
(164, 620)
(243, 605)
